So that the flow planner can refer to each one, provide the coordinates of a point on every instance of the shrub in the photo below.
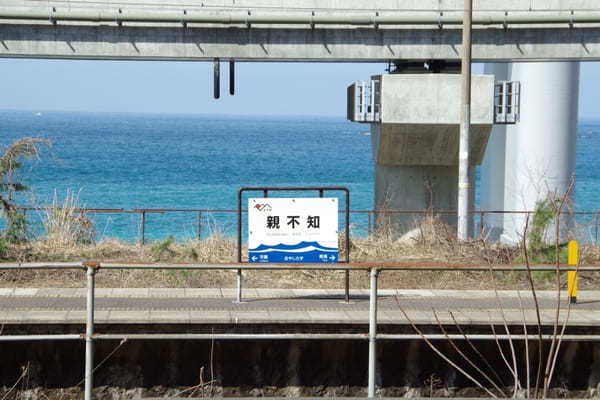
(65, 224)
(162, 250)
(10, 163)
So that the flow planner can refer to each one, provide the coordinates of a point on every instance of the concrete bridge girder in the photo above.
(361, 44)
(43, 36)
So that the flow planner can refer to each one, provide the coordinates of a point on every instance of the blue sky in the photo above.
(186, 87)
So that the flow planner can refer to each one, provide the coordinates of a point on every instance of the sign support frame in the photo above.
(321, 190)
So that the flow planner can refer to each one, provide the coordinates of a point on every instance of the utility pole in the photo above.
(464, 150)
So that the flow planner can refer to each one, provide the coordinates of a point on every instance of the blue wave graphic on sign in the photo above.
(303, 252)
(298, 246)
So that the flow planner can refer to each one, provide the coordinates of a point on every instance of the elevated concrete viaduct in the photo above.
(303, 30)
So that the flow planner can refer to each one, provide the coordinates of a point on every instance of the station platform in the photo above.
(27, 306)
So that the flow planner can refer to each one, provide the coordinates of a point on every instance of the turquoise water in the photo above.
(178, 161)
(188, 161)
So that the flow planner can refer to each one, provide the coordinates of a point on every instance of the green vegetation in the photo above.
(3, 247)
(162, 250)
(10, 164)
(543, 216)
(508, 278)
(538, 248)
(16, 227)
(190, 254)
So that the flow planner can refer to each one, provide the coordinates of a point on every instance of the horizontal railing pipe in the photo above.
(299, 266)
(308, 18)
(479, 336)
(330, 336)
(370, 225)
(232, 336)
(42, 265)
(34, 338)
(356, 211)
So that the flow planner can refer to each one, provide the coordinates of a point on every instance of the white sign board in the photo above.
(293, 230)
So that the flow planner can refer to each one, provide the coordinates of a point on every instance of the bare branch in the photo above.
(439, 353)
(200, 386)
(23, 374)
(512, 372)
(510, 341)
(493, 370)
(557, 271)
(526, 341)
(467, 359)
(537, 308)
(121, 343)
(562, 333)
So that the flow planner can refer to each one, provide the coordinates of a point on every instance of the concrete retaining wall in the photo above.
(280, 368)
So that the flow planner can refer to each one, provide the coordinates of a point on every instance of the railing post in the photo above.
(372, 332)
(347, 232)
(481, 213)
(199, 225)
(239, 247)
(143, 226)
(239, 285)
(25, 220)
(89, 330)
(596, 225)
(369, 222)
(347, 286)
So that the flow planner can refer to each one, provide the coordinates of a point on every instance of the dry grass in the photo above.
(434, 242)
(63, 225)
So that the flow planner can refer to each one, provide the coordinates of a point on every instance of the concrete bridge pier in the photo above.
(428, 187)
(415, 144)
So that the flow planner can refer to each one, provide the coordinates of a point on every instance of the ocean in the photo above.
(134, 161)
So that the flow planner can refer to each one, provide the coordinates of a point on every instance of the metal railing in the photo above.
(364, 101)
(507, 102)
(375, 269)
(307, 17)
(369, 225)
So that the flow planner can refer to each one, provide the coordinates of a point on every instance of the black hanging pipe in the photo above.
(217, 78)
(231, 77)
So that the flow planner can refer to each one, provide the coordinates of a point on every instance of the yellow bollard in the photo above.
(572, 275)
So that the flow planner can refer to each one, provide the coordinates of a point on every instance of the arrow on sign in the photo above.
(332, 258)
(254, 258)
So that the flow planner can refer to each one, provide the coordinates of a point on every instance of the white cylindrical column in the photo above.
(540, 151)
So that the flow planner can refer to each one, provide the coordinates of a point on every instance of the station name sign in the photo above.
(293, 230)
